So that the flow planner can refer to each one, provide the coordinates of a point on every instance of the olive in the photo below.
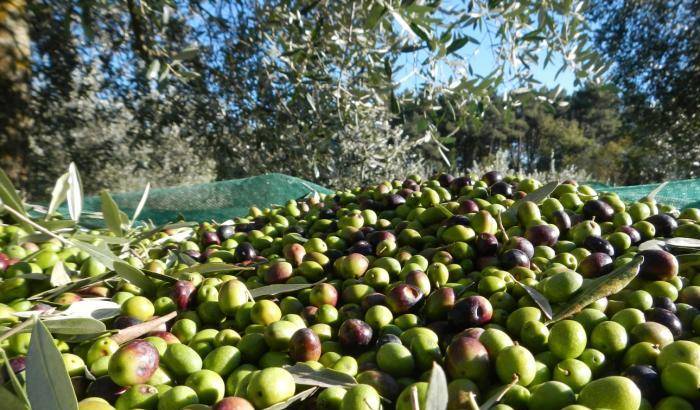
(388, 338)
(542, 235)
(666, 318)
(355, 334)
(647, 379)
(468, 206)
(521, 244)
(598, 244)
(664, 303)
(514, 257)
(502, 188)
(471, 311)
(600, 210)
(492, 177)
(595, 264)
(245, 252)
(634, 235)
(562, 220)
(225, 231)
(486, 244)
(658, 265)
(445, 180)
(210, 238)
(664, 224)
(403, 297)
(304, 345)
(182, 293)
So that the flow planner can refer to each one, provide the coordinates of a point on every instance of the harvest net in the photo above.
(223, 200)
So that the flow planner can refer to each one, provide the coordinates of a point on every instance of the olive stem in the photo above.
(132, 332)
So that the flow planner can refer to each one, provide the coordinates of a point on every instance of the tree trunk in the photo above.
(15, 73)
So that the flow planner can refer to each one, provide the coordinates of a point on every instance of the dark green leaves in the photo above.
(436, 398)
(460, 42)
(535, 196)
(601, 287)
(48, 384)
(306, 375)
(111, 214)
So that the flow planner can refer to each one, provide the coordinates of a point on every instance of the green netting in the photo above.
(213, 201)
(681, 194)
(227, 199)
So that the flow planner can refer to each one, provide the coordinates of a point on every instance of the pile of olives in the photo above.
(388, 280)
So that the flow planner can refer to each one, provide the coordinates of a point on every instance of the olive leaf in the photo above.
(498, 394)
(655, 244)
(74, 325)
(11, 401)
(110, 213)
(140, 205)
(59, 276)
(271, 290)
(101, 254)
(601, 287)
(297, 397)
(159, 276)
(110, 240)
(48, 384)
(75, 193)
(20, 394)
(535, 196)
(134, 276)
(308, 376)
(10, 199)
(689, 260)
(656, 190)
(540, 300)
(57, 224)
(215, 267)
(680, 242)
(95, 308)
(58, 194)
(436, 398)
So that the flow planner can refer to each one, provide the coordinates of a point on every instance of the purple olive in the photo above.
(373, 299)
(664, 303)
(486, 244)
(278, 272)
(377, 236)
(467, 358)
(514, 257)
(445, 180)
(403, 297)
(225, 231)
(361, 247)
(502, 188)
(562, 220)
(245, 252)
(471, 311)
(439, 303)
(459, 183)
(492, 177)
(304, 345)
(542, 235)
(468, 206)
(666, 318)
(522, 244)
(210, 238)
(473, 332)
(104, 388)
(634, 235)
(596, 264)
(658, 265)
(600, 210)
(648, 381)
(664, 224)
(355, 334)
(598, 244)
(122, 322)
(388, 338)
(182, 293)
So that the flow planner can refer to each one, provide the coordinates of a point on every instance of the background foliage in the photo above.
(182, 91)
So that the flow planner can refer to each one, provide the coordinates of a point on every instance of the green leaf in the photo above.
(141, 204)
(56, 224)
(58, 195)
(421, 32)
(48, 384)
(103, 255)
(535, 196)
(460, 42)
(11, 401)
(74, 326)
(20, 394)
(601, 287)
(134, 276)
(159, 276)
(153, 70)
(10, 198)
(213, 267)
(656, 190)
(271, 290)
(59, 276)
(75, 193)
(498, 394)
(685, 243)
(297, 397)
(376, 12)
(436, 398)
(539, 299)
(306, 375)
(187, 53)
(111, 240)
(110, 213)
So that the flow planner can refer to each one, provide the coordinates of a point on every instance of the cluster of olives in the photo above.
(398, 276)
